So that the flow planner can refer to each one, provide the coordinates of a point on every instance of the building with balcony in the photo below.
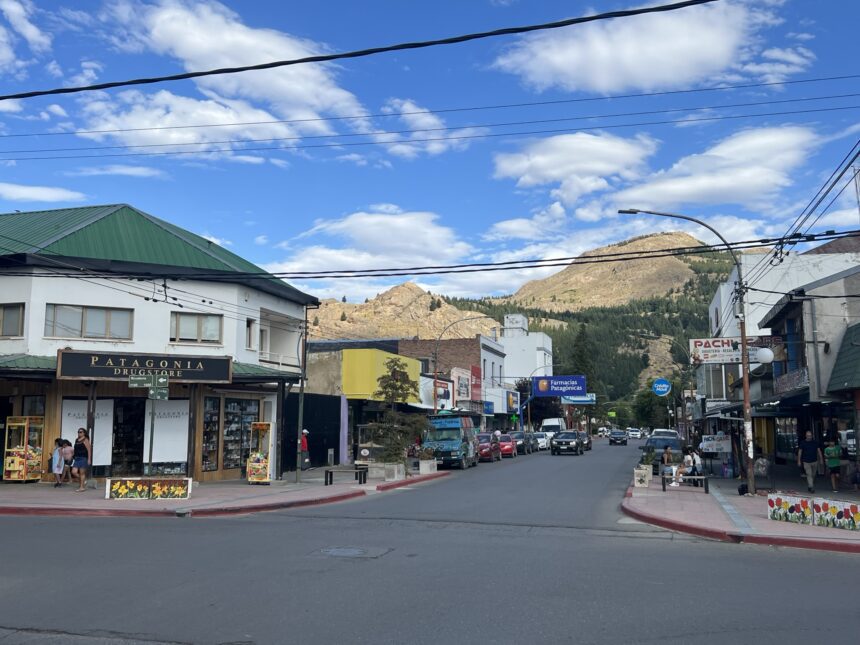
(92, 296)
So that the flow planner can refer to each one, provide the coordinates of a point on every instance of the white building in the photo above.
(93, 295)
(527, 353)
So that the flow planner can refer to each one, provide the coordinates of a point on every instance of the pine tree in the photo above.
(316, 321)
(343, 316)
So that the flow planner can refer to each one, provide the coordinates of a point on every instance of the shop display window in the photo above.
(211, 432)
(239, 414)
(23, 455)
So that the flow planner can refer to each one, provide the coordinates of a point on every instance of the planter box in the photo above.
(376, 471)
(641, 477)
(148, 488)
(789, 508)
(426, 466)
(836, 514)
(395, 472)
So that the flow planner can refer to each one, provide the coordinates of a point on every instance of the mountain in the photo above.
(612, 283)
(404, 311)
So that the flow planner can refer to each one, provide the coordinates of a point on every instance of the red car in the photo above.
(508, 446)
(488, 450)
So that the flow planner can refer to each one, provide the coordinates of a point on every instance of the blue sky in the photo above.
(396, 199)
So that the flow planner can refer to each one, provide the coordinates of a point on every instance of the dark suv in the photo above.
(566, 443)
(618, 437)
(523, 441)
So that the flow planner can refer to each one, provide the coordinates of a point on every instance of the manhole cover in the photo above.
(353, 552)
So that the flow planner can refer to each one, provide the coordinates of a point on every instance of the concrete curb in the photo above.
(412, 480)
(177, 512)
(735, 537)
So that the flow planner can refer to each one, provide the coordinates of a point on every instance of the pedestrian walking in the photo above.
(306, 462)
(809, 457)
(833, 458)
(57, 463)
(68, 453)
(82, 459)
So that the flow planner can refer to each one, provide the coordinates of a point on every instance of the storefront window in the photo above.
(211, 432)
(34, 406)
(239, 414)
(786, 437)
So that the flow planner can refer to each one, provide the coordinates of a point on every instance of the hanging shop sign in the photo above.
(573, 385)
(102, 366)
(728, 349)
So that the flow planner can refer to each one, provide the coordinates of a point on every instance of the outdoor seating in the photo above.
(689, 479)
(359, 471)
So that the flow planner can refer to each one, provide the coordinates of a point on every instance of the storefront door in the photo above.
(5, 411)
(128, 428)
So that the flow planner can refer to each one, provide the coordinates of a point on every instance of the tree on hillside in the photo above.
(650, 409)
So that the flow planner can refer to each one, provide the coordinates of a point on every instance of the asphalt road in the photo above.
(527, 550)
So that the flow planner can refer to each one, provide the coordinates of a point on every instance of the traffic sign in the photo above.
(161, 380)
(661, 387)
(141, 380)
(589, 398)
(158, 393)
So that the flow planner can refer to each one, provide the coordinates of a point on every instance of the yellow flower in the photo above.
(833, 511)
(140, 487)
(807, 511)
(857, 517)
(115, 486)
(785, 505)
(123, 490)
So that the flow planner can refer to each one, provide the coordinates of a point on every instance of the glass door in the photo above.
(239, 414)
(211, 432)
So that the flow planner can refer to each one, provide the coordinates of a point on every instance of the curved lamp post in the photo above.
(742, 325)
(436, 354)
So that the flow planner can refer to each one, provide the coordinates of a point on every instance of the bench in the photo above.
(360, 473)
(688, 479)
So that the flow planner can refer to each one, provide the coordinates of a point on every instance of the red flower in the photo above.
(804, 503)
(770, 503)
(817, 508)
(825, 506)
(853, 509)
(779, 501)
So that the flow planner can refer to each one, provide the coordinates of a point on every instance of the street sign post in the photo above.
(590, 398)
(157, 392)
(141, 380)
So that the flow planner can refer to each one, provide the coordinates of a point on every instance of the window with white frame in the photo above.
(76, 321)
(250, 333)
(11, 320)
(195, 328)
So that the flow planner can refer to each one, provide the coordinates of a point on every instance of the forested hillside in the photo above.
(606, 343)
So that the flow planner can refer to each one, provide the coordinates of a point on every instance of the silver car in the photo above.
(542, 440)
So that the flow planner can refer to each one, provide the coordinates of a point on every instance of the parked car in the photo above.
(507, 446)
(665, 432)
(542, 440)
(566, 443)
(848, 442)
(585, 438)
(617, 437)
(453, 439)
(634, 433)
(524, 443)
(602, 431)
(532, 437)
(652, 452)
(488, 447)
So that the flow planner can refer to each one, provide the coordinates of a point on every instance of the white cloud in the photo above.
(25, 193)
(10, 106)
(357, 159)
(261, 240)
(118, 170)
(802, 36)
(749, 168)
(280, 163)
(711, 43)
(390, 209)
(664, 50)
(842, 218)
(428, 131)
(53, 68)
(89, 73)
(220, 241)
(541, 225)
(579, 163)
(56, 110)
(18, 14)
(777, 64)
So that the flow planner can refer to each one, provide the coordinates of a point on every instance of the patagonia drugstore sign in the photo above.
(118, 367)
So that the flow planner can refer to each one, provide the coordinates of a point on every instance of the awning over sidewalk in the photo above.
(846, 370)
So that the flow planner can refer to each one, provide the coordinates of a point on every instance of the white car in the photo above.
(634, 433)
(665, 433)
(542, 440)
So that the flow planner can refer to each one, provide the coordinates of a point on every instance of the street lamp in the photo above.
(436, 354)
(742, 325)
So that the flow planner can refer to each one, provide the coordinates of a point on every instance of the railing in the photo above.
(280, 361)
(793, 380)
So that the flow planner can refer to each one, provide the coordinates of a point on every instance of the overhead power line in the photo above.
(472, 108)
(322, 58)
(465, 137)
(583, 117)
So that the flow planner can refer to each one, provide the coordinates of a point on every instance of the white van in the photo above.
(551, 426)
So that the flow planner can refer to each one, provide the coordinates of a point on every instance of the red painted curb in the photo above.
(801, 543)
(203, 512)
(672, 525)
(413, 480)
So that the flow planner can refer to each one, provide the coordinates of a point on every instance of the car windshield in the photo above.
(551, 428)
(584, 435)
(540, 435)
(565, 435)
(618, 432)
(484, 436)
(517, 435)
(659, 443)
(505, 437)
(446, 434)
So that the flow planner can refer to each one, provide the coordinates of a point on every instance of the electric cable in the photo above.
(508, 31)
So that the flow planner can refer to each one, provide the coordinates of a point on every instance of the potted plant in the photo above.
(426, 461)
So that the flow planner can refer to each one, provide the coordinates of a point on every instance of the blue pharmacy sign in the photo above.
(661, 387)
(489, 408)
(559, 385)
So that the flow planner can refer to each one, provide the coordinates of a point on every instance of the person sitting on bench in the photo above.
(684, 469)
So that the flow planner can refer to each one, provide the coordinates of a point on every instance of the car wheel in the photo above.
(463, 465)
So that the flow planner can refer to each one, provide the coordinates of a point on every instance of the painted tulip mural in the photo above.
(829, 513)
(788, 508)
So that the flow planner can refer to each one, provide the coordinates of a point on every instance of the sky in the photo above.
(507, 148)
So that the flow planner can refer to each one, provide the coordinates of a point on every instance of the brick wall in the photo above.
(456, 352)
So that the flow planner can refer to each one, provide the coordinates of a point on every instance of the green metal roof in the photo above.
(26, 362)
(846, 370)
(121, 233)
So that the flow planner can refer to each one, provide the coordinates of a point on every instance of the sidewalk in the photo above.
(724, 515)
(207, 500)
